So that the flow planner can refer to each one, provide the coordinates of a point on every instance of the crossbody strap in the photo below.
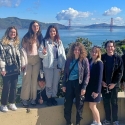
(73, 66)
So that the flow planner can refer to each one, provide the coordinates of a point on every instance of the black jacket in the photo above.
(123, 77)
(117, 71)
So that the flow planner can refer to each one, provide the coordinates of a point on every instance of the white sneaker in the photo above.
(33, 102)
(94, 122)
(12, 107)
(4, 108)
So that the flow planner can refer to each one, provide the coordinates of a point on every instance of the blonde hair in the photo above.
(6, 38)
(99, 53)
(83, 52)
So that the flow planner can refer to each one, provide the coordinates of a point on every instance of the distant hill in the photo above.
(24, 23)
(102, 25)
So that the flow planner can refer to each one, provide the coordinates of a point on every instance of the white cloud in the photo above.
(72, 14)
(112, 11)
(93, 18)
(118, 19)
(10, 3)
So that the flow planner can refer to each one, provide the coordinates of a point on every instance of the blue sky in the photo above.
(80, 12)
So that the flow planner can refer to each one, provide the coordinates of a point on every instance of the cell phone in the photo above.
(92, 96)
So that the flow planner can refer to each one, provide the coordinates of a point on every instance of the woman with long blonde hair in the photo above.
(76, 78)
(9, 57)
(93, 91)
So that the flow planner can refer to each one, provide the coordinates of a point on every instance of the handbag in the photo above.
(12, 69)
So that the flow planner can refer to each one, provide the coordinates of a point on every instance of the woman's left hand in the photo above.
(83, 91)
(94, 95)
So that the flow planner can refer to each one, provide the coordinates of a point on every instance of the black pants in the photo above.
(9, 89)
(73, 90)
(110, 102)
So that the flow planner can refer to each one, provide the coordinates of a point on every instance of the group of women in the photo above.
(82, 78)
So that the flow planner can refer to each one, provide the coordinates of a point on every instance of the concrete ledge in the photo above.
(42, 115)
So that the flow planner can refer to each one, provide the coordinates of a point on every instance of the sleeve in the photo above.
(86, 74)
(63, 56)
(65, 74)
(99, 74)
(18, 56)
(2, 59)
(38, 96)
(119, 72)
(123, 59)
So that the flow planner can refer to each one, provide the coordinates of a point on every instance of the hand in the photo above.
(104, 84)
(23, 68)
(83, 91)
(111, 86)
(3, 73)
(64, 89)
(94, 95)
(122, 86)
(44, 51)
(40, 101)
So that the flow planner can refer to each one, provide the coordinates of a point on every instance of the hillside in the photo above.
(24, 23)
(102, 25)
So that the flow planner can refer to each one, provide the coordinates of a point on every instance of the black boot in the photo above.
(49, 102)
(54, 102)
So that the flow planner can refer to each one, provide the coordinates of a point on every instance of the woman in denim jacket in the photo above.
(53, 54)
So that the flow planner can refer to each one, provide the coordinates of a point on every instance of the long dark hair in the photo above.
(47, 36)
(30, 34)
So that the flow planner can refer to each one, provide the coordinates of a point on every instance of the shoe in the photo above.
(69, 124)
(98, 123)
(4, 108)
(116, 123)
(33, 102)
(25, 103)
(12, 107)
(94, 123)
(54, 102)
(49, 102)
(105, 122)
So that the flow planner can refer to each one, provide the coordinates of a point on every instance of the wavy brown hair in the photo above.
(6, 39)
(83, 52)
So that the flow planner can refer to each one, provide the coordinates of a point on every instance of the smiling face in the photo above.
(41, 84)
(52, 33)
(110, 48)
(77, 52)
(12, 33)
(35, 27)
(94, 53)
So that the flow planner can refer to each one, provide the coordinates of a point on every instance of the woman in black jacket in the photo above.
(93, 90)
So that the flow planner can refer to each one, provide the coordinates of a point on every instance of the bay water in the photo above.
(96, 36)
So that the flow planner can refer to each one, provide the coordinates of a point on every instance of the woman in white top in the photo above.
(30, 63)
(53, 54)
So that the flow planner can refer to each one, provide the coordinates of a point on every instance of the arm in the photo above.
(2, 58)
(123, 59)
(119, 72)
(86, 74)
(18, 57)
(65, 74)
(99, 74)
(41, 51)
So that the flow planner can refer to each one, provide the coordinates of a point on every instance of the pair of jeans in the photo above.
(73, 90)
(110, 101)
(9, 89)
